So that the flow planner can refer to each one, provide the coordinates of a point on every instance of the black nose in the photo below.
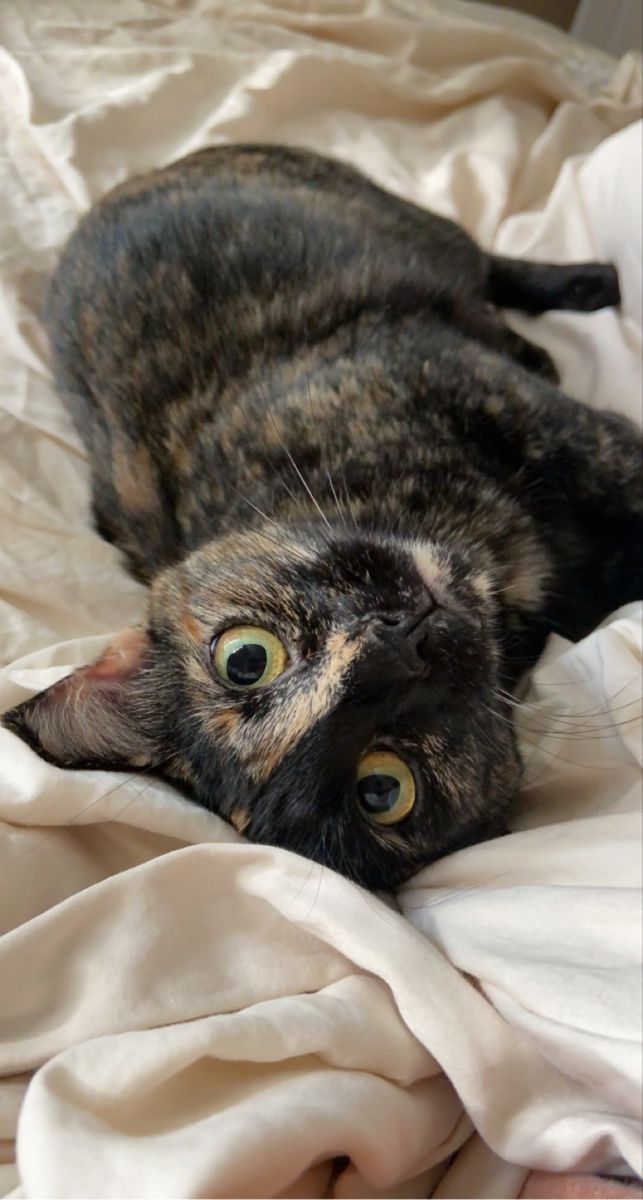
(409, 636)
(417, 635)
(419, 638)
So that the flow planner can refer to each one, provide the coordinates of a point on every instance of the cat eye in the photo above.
(248, 657)
(385, 787)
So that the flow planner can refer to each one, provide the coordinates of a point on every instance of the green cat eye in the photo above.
(385, 787)
(248, 657)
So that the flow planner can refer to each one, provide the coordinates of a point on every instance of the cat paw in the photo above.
(590, 286)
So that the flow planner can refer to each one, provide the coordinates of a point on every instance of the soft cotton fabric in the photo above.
(184, 1014)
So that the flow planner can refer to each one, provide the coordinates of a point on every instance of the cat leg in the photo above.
(538, 287)
(527, 354)
(589, 505)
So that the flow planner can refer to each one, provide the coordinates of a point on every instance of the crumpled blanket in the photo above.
(183, 1013)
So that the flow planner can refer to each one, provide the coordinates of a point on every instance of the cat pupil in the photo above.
(247, 664)
(378, 793)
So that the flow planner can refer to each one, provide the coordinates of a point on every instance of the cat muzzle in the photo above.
(411, 644)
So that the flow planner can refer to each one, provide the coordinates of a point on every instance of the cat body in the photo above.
(308, 424)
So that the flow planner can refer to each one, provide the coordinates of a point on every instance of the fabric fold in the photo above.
(185, 1014)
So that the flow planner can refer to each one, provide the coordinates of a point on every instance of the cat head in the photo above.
(328, 692)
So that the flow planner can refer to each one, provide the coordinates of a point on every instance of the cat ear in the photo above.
(106, 714)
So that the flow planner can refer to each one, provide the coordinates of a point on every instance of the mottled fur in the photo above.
(304, 411)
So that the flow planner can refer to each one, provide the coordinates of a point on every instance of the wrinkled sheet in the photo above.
(186, 1014)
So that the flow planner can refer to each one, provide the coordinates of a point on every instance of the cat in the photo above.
(359, 499)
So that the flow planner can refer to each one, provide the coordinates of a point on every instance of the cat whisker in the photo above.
(348, 501)
(340, 513)
(572, 717)
(288, 491)
(256, 508)
(539, 745)
(294, 465)
(81, 812)
(305, 883)
(329, 477)
(574, 733)
(319, 884)
(454, 893)
(374, 328)
(300, 476)
(292, 550)
(345, 868)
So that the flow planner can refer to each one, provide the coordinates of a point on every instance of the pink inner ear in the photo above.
(121, 658)
(104, 714)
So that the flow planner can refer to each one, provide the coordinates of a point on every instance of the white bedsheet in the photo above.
(185, 1014)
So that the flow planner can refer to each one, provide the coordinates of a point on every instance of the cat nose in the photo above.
(409, 635)
(419, 638)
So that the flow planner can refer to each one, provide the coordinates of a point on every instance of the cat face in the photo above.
(329, 693)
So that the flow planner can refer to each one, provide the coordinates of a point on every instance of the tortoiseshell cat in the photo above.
(359, 499)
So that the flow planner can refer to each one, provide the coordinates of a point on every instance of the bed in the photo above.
(183, 1013)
